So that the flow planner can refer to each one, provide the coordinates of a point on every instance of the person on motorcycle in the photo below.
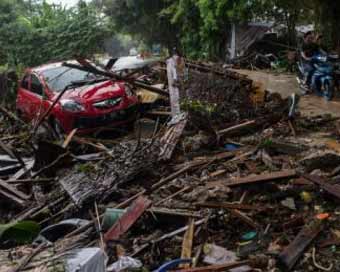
(310, 47)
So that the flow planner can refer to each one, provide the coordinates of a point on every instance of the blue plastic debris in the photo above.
(172, 264)
(231, 147)
(249, 236)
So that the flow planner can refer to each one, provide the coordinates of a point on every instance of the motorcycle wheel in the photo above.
(328, 90)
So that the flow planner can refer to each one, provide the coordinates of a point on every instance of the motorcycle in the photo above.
(325, 77)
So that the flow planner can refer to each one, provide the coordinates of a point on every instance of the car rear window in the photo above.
(60, 77)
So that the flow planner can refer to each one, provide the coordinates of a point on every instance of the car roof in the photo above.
(48, 66)
(133, 62)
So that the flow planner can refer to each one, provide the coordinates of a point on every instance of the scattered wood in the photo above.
(237, 128)
(26, 260)
(13, 194)
(159, 113)
(273, 176)
(295, 250)
(69, 138)
(171, 177)
(170, 139)
(174, 212)
(40, 181)
(216, 268)
(188, 243)
(232, 206)
(128, 219)
(246, 219)
(329, 188)
(186, 188)
(11, 116)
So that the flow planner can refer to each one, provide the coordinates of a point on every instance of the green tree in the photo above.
(34, 32)
(328, 20)
(143, 20)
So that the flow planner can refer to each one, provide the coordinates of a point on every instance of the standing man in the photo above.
(175, 72)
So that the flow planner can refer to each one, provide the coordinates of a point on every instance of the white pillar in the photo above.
(233, 42)
(173, 87)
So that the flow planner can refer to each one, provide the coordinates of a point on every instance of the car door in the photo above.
(37, 97)
(24, 97)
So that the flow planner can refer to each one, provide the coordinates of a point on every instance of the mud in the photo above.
(286, 84)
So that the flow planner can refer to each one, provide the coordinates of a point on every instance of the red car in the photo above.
(91, 102)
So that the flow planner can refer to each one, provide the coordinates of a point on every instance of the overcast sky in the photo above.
(68, 3)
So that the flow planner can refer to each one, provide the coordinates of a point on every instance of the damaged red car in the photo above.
(91, 102)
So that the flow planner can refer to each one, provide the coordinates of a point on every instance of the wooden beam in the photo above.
(128, 219)
(216, 268)
(329, 188)
(186, 188)
(236, 128)
(187, 243)
(292, 253)
(13, 190)
(231, 206)
(273, 176)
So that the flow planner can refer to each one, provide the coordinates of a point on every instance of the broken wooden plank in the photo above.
(174, 212)
(159, 113)
(186, 188)
(216, 268)
(26, 260)
(233, 206)
(91, 223)
(329, 188)
(170, 139)
(23, 171)
(263, 178)
(246, 219)
(295, 249)
(13, 198)
(187, 243)
(11, 115)
(128, 219)
(69, 138)
(31, 181)
(233, 129)
(171, 177)
(12, 190)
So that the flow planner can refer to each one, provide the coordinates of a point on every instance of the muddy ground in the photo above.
(286, 84)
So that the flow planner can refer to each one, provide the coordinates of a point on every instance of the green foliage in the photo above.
(44, 32)
(142, 19)
(206, 109)
(20, 232)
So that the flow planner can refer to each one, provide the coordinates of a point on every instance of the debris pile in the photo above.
(255, 199)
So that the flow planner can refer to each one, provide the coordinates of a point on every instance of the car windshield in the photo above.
(60, 77)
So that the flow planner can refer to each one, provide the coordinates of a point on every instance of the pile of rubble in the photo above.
(251, 190)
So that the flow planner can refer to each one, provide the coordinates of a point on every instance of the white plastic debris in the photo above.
(218, 255)
(124, 262)
(86, 260)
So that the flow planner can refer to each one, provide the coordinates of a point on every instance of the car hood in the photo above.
(95, 92)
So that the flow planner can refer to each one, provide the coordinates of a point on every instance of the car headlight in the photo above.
(71, 105)
(108, 103)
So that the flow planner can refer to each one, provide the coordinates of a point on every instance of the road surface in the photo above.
(284, 84)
